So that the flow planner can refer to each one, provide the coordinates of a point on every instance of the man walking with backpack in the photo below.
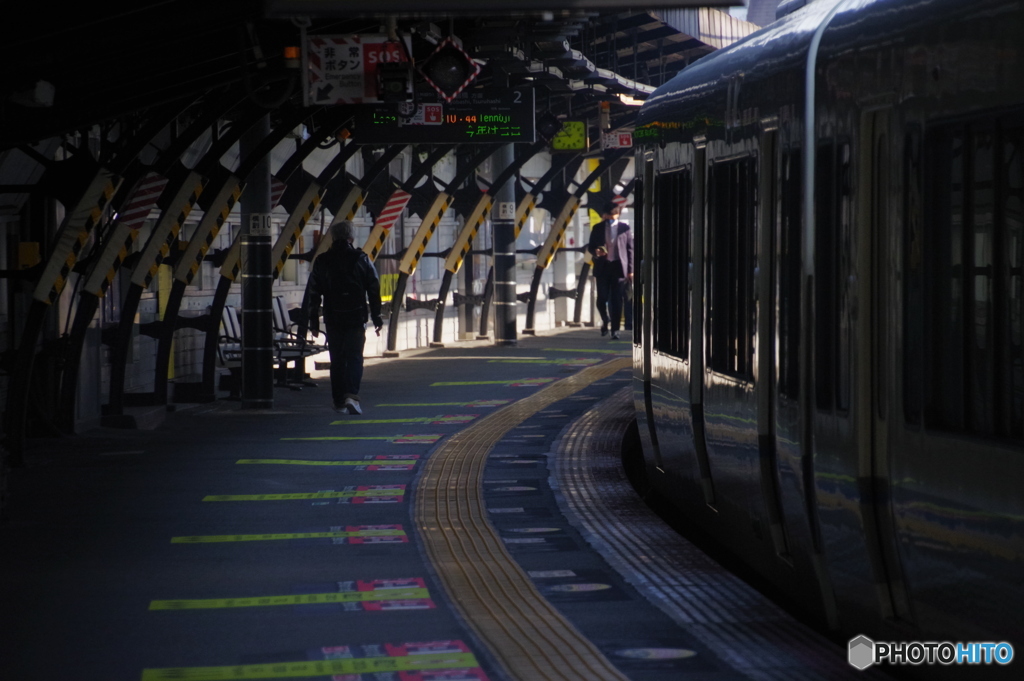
(347, 281)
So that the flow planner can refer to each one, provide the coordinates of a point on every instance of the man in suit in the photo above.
(611, 246)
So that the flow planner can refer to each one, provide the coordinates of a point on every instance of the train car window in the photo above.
(1012, 210)
(638, 249)
(974, 298)
(832, 286)
(672, 198)
(731, 240)
(789, 258)
(979, 294)
(913, 294)
(944, 296)
(845, 285)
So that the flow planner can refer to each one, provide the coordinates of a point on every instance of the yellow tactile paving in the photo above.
(522, 629)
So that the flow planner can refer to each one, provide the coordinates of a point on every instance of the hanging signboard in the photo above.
(482, 116)
(617, 140)
(342, 69)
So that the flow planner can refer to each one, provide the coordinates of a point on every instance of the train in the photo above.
(829, 313)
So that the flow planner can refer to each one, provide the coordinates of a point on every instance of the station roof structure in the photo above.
(67, 71)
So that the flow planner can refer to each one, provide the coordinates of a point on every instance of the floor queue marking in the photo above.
(394, 439)
(360, 492)
(291, 599)
(578, 361)
(350, 532)
(439, 420)
(515, 383)
(475, 403)
(413, 657)
(603, 352)
(372, 465)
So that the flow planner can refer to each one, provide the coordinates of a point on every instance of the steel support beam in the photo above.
(257, 278)
(504, 258)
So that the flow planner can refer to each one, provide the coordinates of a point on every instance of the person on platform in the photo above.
(611, 247)
(346, 280)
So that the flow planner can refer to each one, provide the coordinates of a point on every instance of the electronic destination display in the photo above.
(482, 116)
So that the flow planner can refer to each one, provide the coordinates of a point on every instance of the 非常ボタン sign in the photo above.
(342, 69)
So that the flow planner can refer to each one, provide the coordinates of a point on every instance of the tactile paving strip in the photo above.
(749, 632)
(496, 597)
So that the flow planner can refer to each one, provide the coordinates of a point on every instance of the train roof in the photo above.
(781, 49)
(778, 47)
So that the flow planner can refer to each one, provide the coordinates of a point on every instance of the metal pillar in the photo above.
(257, 279)
(503, 224)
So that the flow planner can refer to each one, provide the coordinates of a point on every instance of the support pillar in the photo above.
(503, 224)
(257, 278)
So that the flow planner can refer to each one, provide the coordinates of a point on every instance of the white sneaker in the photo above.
(353, 406)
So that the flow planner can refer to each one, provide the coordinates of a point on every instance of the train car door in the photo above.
(764, 367)
(643, 301)
(874, 377)
(729, 403)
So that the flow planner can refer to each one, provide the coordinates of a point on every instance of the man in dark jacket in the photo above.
(347, 281)
(611, 246)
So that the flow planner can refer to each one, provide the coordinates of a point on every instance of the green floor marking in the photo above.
(434, 437)
(603, 352)
(582, 361)
(509, 382)
(298, 669)
(440, 419)
(292, 599)
(475, 403)
(307, 495)
(368, 462)
(221, 538)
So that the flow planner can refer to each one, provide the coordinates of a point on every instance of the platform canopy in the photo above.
(65, 72)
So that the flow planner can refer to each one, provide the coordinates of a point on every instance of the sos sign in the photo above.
(342, 69)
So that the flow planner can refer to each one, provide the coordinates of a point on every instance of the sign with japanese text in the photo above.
(342, 69)
(616, 140)
(481, 116)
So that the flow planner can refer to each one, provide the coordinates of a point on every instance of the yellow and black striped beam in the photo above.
(551, 244)
(427, 228)
(73, 235)
(464, 242)
(347, 211)
(209, 227)
(523, 212)
(167, 229)
(120, 245)
(292, 230)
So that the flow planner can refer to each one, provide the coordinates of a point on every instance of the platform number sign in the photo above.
(259, 224)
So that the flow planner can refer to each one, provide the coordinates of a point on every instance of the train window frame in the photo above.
(789, 236)
(912, 332)
(671, 328)
(833, 267)
(730, 337)
(974, 378)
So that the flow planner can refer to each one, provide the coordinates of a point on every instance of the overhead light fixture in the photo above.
(630, 101)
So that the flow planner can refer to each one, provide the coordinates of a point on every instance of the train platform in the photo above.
(473, 523)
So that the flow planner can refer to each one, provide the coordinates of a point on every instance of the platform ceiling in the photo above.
(103, 66)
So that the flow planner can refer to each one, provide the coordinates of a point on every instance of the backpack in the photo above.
(344, 292)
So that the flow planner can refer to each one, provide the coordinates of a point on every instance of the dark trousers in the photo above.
(611, 291)
(345, 341)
